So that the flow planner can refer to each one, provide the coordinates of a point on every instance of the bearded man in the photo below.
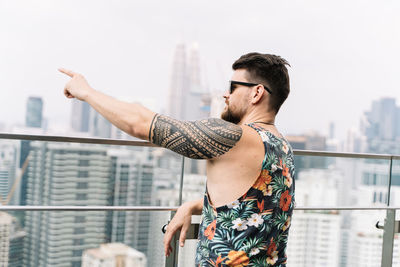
(249, 198)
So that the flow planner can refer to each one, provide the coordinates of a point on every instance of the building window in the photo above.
(79, 230)
(80, 219)
(82, 185)
(77, 253)
(81, 196)
(83, 173)
(84, 162)
(78, 242)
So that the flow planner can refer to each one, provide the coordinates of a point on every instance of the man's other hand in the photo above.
(77, 87)
(181, 221)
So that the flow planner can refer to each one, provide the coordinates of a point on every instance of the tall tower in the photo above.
(33, 118)
(187, 97)
(59, 175)
(382, 126)
(34, 112)
(80, 116)
(133, 174)
(179, 84)
(8, 161)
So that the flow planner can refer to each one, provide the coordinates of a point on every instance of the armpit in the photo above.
(203, 139)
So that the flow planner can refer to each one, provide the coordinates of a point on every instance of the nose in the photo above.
(226, 94)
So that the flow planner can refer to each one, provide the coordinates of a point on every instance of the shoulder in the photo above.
(201, 139)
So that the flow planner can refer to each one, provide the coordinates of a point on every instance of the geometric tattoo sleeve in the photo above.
(202, 139)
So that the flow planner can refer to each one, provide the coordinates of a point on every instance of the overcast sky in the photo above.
(344, 54)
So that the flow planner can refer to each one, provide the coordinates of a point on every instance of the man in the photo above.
(247, 207)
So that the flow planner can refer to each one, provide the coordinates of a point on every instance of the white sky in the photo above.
(344, 54)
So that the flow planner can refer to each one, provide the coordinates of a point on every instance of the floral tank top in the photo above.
(253, 230)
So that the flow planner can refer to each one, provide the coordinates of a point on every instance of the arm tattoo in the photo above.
(203, 139)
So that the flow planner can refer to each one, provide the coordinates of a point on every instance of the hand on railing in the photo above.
(180, 222)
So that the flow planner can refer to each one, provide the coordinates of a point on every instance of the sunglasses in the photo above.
(233, 87)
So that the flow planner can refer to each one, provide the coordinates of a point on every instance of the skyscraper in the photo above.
(178, 84)
(5, 232)
(8, 161)
(98, 125)
(80, 116)
(34, 112)
(187, 99)
(65, 174)
(132, 174)
(33, 119)
(381, 126)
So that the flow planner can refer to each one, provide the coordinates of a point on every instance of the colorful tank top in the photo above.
(253, 230)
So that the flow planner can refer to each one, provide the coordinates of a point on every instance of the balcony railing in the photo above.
(390, 226)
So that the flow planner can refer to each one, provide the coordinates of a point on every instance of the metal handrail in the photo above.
(82, 140)
(105, 141)
(159, 208)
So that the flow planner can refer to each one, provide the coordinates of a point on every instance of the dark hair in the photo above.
(269, 69)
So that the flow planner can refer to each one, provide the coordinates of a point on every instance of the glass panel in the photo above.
(395, 201)
(87, 174)
(194, 182)
(52, 238)
(329, 181)
(320, 181)
(332, 238)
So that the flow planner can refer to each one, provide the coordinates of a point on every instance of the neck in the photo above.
(266, 118)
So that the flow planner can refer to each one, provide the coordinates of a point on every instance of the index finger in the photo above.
(70, 73)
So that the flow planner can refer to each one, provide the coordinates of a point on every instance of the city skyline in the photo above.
(338, 56)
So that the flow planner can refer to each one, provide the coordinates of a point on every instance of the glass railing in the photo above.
(63, 197)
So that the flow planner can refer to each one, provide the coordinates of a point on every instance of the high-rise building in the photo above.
(5, 232)
(11, 241)
(132, 175)
(178, 84)
(34, 112)
(113, 255)
(33, 119)
(308, 141)
(99, 126)
(80, 116)
(314, 238)
(8, 161)
(16, 249)
(65, 174)
(381, 126)
(188, 99)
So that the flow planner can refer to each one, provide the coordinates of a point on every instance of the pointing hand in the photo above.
(77, 87)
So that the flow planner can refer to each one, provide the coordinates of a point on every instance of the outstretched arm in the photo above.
(204, 139)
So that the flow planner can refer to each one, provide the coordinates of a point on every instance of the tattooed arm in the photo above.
(203, 139)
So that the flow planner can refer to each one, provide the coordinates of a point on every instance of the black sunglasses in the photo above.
(233, 83)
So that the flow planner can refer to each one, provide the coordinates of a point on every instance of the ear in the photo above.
(257, 94)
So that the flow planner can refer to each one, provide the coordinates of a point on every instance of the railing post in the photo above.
(181, 181)
(388, 238)
(172, 260)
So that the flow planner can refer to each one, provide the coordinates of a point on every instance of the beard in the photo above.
(230, 116)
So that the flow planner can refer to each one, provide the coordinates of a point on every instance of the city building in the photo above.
(9, 153)
(187, 97)
(80, 116)
(34, 112)
(381, 126)
(308, 141)
(314, 238)
(59, 175)
(132, 175)
(5, 231)
(113, 255)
